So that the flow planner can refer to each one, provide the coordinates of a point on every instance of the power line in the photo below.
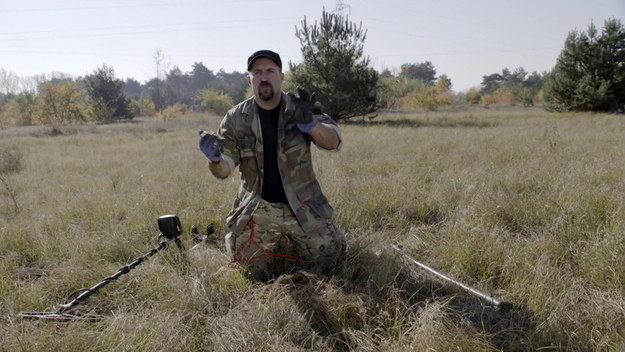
(111, 31)
(116, 7)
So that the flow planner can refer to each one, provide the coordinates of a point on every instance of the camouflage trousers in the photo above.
(274, 243)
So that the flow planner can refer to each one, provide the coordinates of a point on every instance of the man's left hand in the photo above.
(301, 109)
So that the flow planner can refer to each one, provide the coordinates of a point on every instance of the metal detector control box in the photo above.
(170, 226)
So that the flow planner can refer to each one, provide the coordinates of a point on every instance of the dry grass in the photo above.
(521, 203)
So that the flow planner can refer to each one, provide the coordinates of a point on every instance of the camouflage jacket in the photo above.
(243, 147)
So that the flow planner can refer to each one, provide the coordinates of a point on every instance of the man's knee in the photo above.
(231, 242)
(325, 248)
(319, 251)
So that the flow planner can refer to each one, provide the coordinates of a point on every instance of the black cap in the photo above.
(264, 53)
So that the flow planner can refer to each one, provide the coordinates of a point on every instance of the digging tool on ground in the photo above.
(497, 303)
(170, 231)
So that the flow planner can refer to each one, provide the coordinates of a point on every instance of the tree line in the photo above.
(102, 97)
(589, 75)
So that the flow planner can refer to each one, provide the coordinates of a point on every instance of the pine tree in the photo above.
(424, 71)
(108, 101)
(334, 67)
(590, 72)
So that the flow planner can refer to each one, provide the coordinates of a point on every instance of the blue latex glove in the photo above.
(210, 145)
(301, 109)
(308, 127)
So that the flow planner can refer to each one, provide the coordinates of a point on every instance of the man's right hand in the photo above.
(210, 145)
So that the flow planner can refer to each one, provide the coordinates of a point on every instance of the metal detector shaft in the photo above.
(170, 229)
(496, 302)
(123, 270)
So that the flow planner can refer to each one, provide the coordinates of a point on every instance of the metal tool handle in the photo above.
(123, 270)
(496, 302)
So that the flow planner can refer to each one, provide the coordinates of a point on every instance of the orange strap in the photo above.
(238, 258)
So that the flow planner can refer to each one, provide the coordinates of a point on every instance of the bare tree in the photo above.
(10, 164)
(9, 82)
(161, 65)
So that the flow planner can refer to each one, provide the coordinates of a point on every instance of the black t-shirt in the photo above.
(273, 191)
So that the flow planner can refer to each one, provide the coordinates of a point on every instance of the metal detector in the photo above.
(170, 231)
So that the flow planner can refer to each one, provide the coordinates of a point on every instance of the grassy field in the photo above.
(522, 204)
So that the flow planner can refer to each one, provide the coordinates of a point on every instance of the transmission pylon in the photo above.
(341, 6)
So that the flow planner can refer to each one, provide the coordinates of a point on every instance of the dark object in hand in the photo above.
(301, 108)
(210, 145)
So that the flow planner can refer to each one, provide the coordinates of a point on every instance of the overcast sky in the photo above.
(463, 39)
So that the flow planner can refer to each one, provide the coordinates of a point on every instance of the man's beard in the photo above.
(265, 94)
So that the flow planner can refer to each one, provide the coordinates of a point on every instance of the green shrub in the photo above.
(22, 109)
(215, 101)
